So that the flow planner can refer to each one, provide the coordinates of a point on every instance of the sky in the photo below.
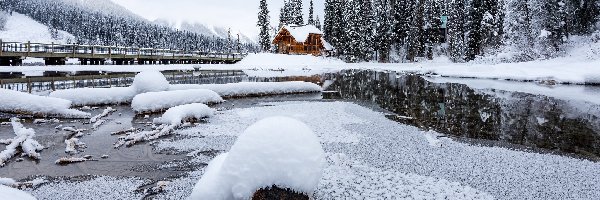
(239, 15)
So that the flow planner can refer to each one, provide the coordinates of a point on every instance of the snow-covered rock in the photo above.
(12, 193)
(178, 114)
(156, 101)
(20, 102)
(254, 88)
(277, 151)
(150, 81)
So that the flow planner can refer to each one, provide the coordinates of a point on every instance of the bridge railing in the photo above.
(75, 50)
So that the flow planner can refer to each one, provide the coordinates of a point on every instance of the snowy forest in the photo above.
(462, 30)
(92, 26)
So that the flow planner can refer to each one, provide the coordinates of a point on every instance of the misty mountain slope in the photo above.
(106, 23)
(21, 28)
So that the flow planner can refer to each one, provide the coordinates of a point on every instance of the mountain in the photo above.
(216, 31)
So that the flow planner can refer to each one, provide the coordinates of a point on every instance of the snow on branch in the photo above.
(172, 119)
(24, 139)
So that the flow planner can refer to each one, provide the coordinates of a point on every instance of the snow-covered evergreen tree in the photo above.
(367, 30)
(517, 29)
(295, 11)
(334, 23)
(318, 23)
(264, 26)
(383, 29)
(456, 40)
(351, 42)
(311, 19)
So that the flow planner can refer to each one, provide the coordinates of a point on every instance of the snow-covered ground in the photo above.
(20, 102)
(39, 70)
(578, 69)
(371, 157)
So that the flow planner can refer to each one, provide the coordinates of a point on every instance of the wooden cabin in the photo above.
(305, 39)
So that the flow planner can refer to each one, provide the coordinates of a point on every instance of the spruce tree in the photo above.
(311, 19)
(318, 23)
(295, 11)
(383, 29)
(264, 26)
(456, 41)
(366, 22)
(517, 29)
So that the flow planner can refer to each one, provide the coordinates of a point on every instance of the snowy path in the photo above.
(372, 157)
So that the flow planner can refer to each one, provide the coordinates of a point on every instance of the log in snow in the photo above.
(157, 101)
(20, 102)
(66, 161)
(24, 139)
(136, 137)
(275, 151)
(254, 88)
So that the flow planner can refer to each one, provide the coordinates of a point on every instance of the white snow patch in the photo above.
(12, 193)
(541, 120)
(254, 88)
(179, 114)
(268, 153)
(145, 81)
(20, 102)
(156, 101)
(96, 96)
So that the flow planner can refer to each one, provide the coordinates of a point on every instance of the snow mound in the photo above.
(254, 88)
(21, 28)
(279, 60)
(156, 101)
(145, 81)
(12, 193)
(96, 96)
(274, 151)
(150, 81)
(177, 115)
(20, 102)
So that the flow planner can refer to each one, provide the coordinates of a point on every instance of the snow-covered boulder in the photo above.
(254, 88)
(276, 151)
(150, 81)
(12, 193)
(20, 102)
(178, 114)
(96, 96)
(156, 101)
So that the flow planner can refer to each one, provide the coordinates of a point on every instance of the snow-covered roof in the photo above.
(300, 33)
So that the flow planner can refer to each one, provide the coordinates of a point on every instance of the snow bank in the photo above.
(177, 115)
(156, 101)
(279, 60)
(96, 96)
(12, 193)
(254, 88)
(150, 81)
(274, 151)
(24, 139)
(19, 102)
(146, 81)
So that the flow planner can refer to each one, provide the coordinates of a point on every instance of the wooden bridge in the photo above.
(13, 54)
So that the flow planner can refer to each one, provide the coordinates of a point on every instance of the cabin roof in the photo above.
(301, 33)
